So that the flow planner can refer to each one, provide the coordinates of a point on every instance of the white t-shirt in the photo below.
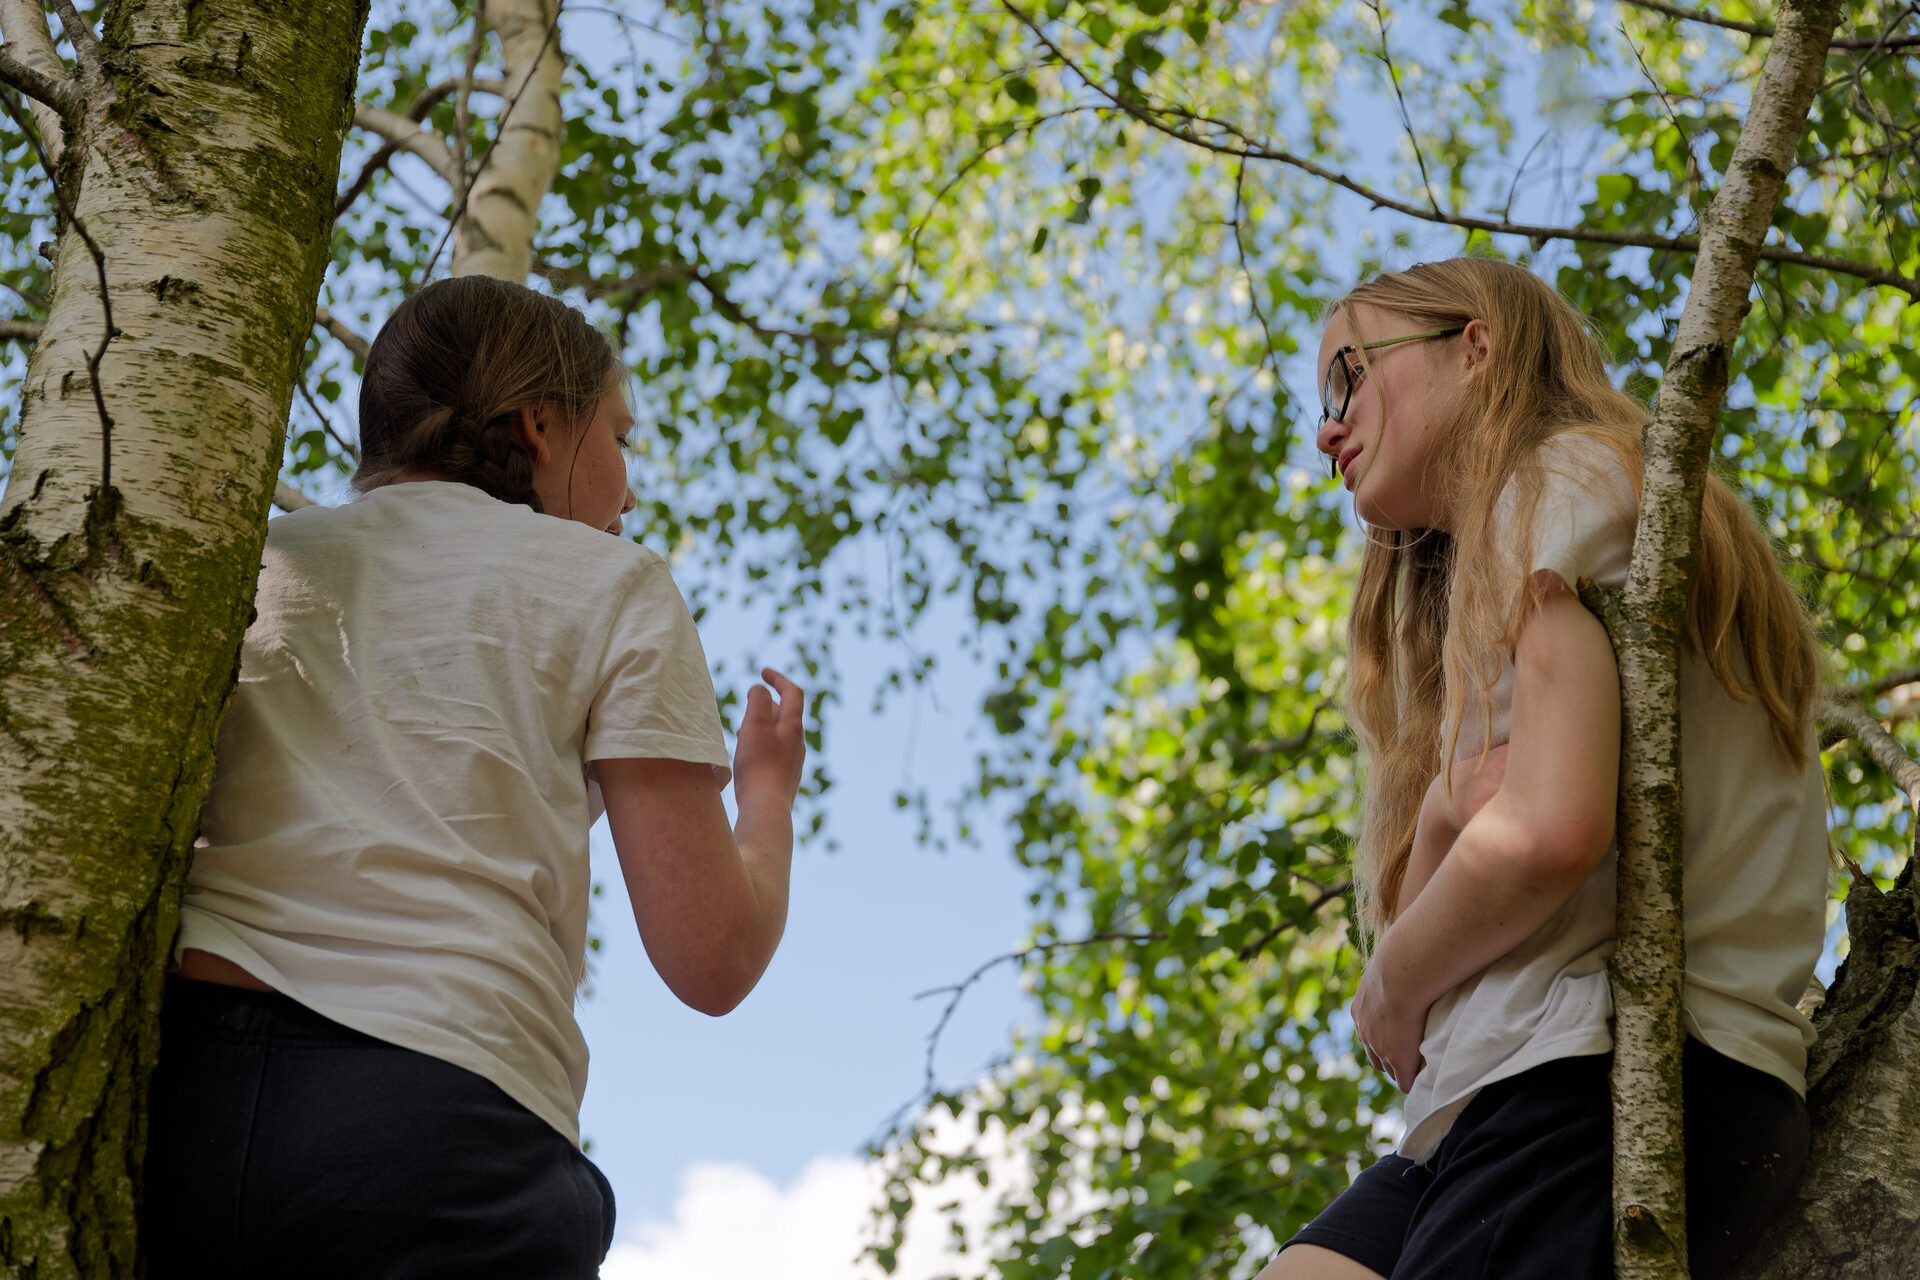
(1755, 864)
(397, 831)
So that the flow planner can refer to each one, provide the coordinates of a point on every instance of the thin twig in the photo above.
(686, 272)
(461, 121)
(957, 991)
(326, 423)
(1243, 146)
(339, 329)
(1764, 31)
(1240, 243)
(1251, 949)
(1280, 746)
(1686, 142)
(1406, 119)
(421, 107)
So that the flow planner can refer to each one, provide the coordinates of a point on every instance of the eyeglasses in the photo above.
(1342, 378)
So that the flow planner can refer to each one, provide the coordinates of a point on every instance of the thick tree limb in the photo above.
(1765, 32)
(288, 498)
(23, 24)
(339, 329)
(19, 331)
(1882, 746)
(1224, 138)
(493, 214)
(55, 92)
(406, 135)
(1649, 964)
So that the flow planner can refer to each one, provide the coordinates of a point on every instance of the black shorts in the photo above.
(284, 1144)
(1522, 1185)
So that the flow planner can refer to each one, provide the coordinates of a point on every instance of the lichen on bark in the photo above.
(203, 166)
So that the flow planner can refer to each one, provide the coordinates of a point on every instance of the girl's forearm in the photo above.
(763, 832)
(1494, 888)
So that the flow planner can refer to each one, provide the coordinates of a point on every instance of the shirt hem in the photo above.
(200, 931)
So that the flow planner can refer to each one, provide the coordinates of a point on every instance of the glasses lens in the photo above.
(1334, 391)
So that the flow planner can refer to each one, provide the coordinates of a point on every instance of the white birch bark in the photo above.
(204, 172)
(495, 234)
(1648, 968)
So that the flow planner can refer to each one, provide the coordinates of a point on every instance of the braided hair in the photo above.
(451, 367)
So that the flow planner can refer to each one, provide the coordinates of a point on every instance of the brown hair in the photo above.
(450, 367)
(1434, 612)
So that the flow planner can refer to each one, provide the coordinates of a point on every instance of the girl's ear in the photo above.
(1478, 336)
(531, 431)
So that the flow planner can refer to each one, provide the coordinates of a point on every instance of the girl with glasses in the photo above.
(1495, 466)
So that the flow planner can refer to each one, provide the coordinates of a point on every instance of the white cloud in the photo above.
(731, 1223)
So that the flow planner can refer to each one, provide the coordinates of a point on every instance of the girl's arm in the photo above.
(1445, 811)
(711, 903)
(1524, 855)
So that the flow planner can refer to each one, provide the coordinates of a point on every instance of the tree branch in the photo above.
(338, 328)
(288, 498)
(1240, 144)
(421, 107)
(1882, 746)
(407, 135)
(686, 273)
(72, 216)
(957, 991)
(1648, 967)
(79, 32)
(1763, 31)
(55, 92)
(22, 331)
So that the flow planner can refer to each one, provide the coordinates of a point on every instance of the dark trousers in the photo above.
(284, 1144)
(1521, 1188)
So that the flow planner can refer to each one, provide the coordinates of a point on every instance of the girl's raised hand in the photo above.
(771, 750)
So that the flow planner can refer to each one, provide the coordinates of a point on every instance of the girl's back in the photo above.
(400, 785)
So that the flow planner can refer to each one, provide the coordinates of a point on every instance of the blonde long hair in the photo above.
(1435, 613)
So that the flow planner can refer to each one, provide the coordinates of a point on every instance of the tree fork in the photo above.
(1649, 964)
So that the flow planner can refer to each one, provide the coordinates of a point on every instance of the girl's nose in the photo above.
(630, 503)
(1330, 437)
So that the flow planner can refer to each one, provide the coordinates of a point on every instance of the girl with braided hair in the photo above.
(1495, 465)
(370, 1065)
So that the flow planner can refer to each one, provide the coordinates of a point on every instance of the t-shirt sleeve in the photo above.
(655, 696)
(1584, 523)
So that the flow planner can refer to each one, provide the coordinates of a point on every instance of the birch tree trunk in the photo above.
(203, 168)
(502, 205)
(1650, 1231)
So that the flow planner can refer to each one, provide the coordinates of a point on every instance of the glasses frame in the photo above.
(1353, 375)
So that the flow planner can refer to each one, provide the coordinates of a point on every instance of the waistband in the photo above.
(241, 1012)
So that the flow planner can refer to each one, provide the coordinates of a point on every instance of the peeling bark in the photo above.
(204, 168)
(1650, 964)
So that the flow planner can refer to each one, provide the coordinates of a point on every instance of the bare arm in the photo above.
(1445, 811)
(1526, 852)
(711, 902)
